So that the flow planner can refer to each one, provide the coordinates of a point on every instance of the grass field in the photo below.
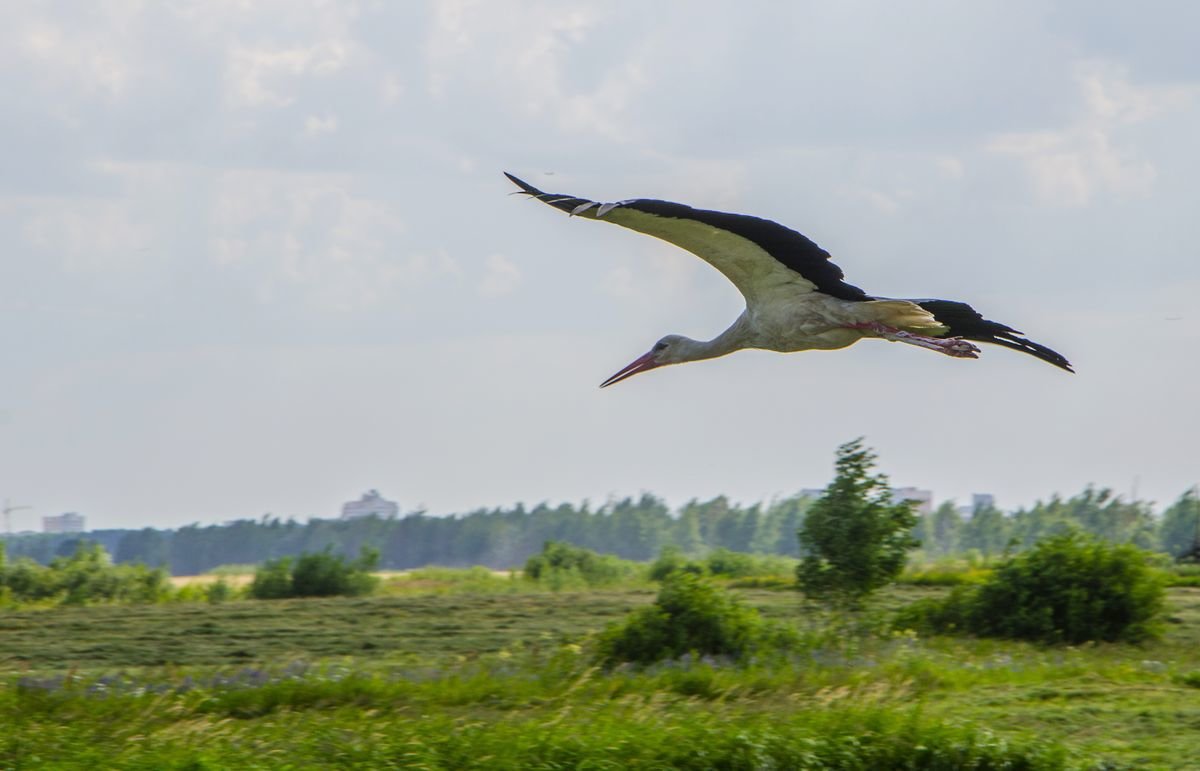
(498, 678)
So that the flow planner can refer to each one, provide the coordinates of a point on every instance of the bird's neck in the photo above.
(733, 339)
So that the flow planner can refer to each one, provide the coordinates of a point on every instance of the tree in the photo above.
(146, 545)
(855, 537)
(940, 529)
(987, 530)
(1181, 524)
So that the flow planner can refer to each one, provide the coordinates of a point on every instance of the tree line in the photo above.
(631, 528)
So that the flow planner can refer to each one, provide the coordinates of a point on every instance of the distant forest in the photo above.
(631, 528)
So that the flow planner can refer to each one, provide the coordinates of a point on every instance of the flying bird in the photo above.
(796, 298)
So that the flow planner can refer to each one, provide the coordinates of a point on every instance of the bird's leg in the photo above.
(951, 346)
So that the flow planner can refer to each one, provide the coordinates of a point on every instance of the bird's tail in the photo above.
(903, 314)
(964, 321)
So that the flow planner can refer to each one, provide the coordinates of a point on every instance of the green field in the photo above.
(502, 680)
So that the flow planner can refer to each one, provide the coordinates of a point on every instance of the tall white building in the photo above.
(63, 523)
(370, 504)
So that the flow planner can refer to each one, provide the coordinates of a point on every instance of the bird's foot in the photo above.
(951, 346)
(959, 348)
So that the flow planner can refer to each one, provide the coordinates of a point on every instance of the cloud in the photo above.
(89, 236)
(520, 59)
(312, 234)
(620, 282)
(270, 174)
(1073, 165)
(265, 76)
(500, 278)
(315, 126)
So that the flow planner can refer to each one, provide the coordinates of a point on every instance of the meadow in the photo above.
(467, 669)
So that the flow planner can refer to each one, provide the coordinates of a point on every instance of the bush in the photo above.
(690, 615)
(218, 591)
(328, 575)
(561, 566)
(1068, 589)
(85, 576)
(672, 560)
(273, 580)
(320, 574)
(723, 563)
(948, 615)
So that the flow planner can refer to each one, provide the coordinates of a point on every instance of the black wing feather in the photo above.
(801, 255)
(794, 250)
(966, 322)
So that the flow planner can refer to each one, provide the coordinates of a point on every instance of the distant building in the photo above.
(371, 504)
(922, 498)
(979, 502)
(63, 523)
(982, 501)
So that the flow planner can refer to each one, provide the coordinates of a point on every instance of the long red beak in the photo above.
(640, 364)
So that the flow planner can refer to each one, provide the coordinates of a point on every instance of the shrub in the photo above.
(218, 591)
(948, 615)
(1068, 589)
(85, 576)
(325, 574)
(561, 565)
(273, 580)
(672, 560)
(723, 562)
(690, 615)
(320, 574)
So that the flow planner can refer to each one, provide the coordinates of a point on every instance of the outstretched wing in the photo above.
(755, 254)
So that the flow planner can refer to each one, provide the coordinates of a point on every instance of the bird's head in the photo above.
(672, 349)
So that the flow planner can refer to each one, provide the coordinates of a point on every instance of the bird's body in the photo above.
(796, 299)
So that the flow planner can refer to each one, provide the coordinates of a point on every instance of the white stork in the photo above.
(796, 299)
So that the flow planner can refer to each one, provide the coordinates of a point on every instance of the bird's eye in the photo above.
(660, 346)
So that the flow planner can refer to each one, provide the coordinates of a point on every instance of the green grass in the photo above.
(501, 721)
(503, 679)
(435, 626)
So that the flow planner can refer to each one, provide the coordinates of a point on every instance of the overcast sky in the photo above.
(260, 257)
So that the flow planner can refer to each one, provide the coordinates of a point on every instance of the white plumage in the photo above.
(796, 299)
